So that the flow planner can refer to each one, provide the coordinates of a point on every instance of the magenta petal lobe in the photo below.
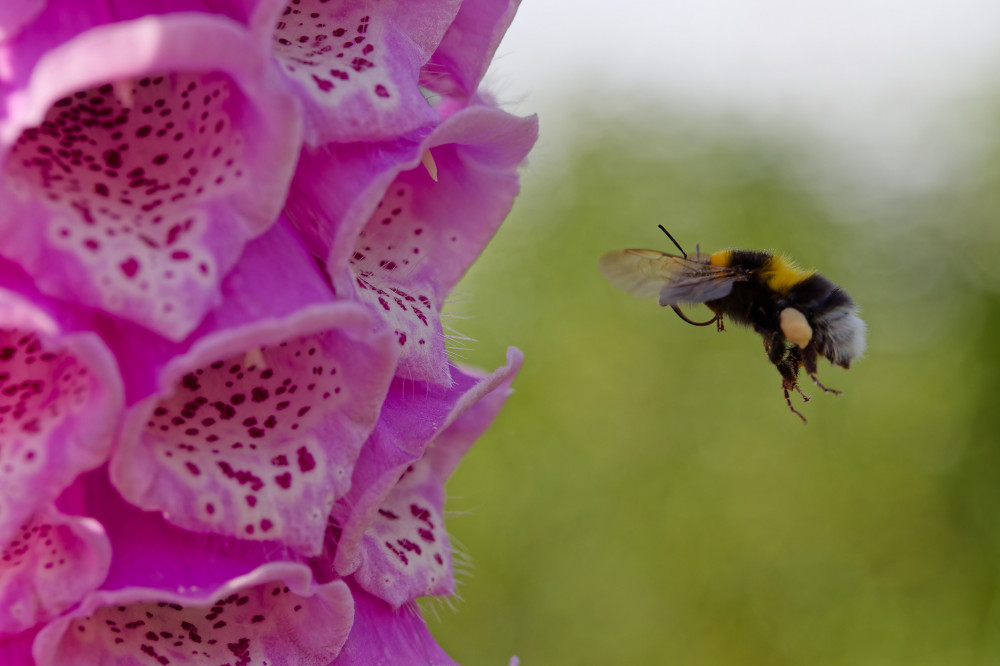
(119, 171)
(392, 536)
(274, 615)
(60, 393)
(385, 635)
(142, 185)
(259, 445)
(48, 566)
(389, 250)
(407, 554)
(357, 63)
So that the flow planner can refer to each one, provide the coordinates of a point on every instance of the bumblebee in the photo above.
(800, 314)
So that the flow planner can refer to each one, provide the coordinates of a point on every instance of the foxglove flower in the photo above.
(414, 214)
(355, 64)
(144, 164)
(227, 229)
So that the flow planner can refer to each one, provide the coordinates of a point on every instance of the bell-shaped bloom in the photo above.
(392, 535)
(172, 594)
(60, 398)
(255, 428)
(48, 567)
(274, 615)
(138, 158)
(356, 64)
(400, 223)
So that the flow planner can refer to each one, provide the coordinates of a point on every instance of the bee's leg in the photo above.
(825, 388)
(789, 369)
(805, 398)
(788, 366)
(788, 401)
(720, 323)
(809, 362)
(716, 318)
(787, 360)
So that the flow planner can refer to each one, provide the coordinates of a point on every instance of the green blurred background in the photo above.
(646, 497)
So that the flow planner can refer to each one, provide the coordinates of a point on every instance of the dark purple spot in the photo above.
(225, 411)
(112, 158)
(242, 477)
(241, 650)
(130, 267)
(409, 546)
(421, 514)
(323, 84)
(400, 554)
(306, 461)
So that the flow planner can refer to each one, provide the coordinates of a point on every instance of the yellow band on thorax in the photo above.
(721, 258)
(781, 274)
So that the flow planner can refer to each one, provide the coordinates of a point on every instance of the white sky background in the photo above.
(888, 84)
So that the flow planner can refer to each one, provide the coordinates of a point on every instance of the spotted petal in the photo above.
(393, 538)
(255, 429)
(48, 566)
(231, 600)
(355, 64)
(406, 239)
(275, 614)
(137, 161)
(60, 395)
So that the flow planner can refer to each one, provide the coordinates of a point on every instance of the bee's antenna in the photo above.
(663, 229)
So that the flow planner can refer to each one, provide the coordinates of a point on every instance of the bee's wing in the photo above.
(707, 283)
(642, 273)
(648, 273)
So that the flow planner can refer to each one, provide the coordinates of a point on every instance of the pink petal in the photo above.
(461, 60)
(385, 635)
(149, 552)
(15, 15)
(400, 241)
(145, 154)
(393, 538)
(17, 649)
(274, 615)
(60, 395)
(48, 567)
(256, 427)
(405, 550)
(355, 64)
